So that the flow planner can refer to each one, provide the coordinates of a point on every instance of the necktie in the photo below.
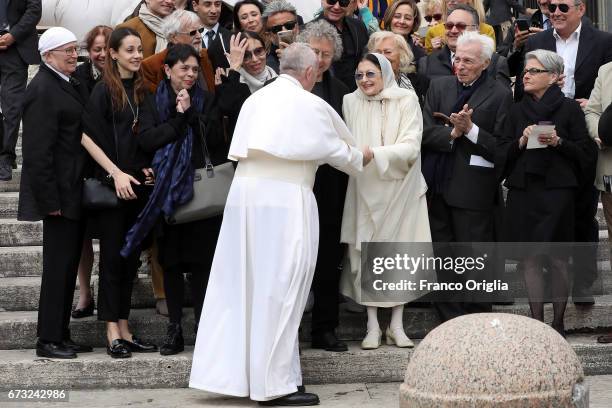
(209, 38)
(547, 24)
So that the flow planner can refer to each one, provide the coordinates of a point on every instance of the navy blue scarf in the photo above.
(174, 172)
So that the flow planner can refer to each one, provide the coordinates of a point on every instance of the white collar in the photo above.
(291, 79)
(63, 76)
(575, 33)
(214, 29)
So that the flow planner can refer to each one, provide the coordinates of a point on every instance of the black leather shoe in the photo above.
(118, 349)
(85, 312)
(77, 348)
(53, 350)
(139, 346)
(329, 342)
(584, 301)
(174, 343)
(297, 399)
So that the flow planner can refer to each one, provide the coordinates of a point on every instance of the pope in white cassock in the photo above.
(247, 344)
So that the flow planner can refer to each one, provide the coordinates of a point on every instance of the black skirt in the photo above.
(538, 214)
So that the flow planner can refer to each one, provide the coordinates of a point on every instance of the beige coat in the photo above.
(386, 202)
(601, 98)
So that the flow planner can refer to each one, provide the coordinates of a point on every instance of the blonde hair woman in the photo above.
(434, 39)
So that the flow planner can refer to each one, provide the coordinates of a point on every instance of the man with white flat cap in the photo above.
(51, 184)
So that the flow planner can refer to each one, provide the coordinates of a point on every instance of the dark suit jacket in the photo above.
(53, 158)
(594, 50)
(23, 15)
(215, 50)
(501, 10)
(566, 164)
(470, 186)
(438, 64)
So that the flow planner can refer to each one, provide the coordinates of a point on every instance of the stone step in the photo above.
(22, 369)
(20, 261)
(13, 184)
(8, 204)
(18, 329)
(22, 294)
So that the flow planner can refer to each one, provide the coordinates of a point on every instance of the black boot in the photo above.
(174, 343)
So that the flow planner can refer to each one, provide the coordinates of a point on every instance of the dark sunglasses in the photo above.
(343, 3)
(257, 52)
(368, 74)
(192, 33)
(436, 17)
(460, 26)
(564, 8)
(289, 25)
(534, 71)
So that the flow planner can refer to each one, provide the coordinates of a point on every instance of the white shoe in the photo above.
(398, 337)
(372, 340)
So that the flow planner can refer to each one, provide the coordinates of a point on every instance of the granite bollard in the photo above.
(494, 360)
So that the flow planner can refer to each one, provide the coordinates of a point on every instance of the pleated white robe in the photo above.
(247, 342)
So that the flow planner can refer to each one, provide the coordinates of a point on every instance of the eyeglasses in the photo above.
(436, 17)
(460, 26)
(534, 71)
(368, 74)
(257, 52)
(343, 3)
(564, 8)
(192, 33)
(289, 25)
(69, 51)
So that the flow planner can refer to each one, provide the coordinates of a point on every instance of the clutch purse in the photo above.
(98, 195)
(211, 186)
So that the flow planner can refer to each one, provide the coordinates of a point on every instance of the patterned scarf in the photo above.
(154, 23)
(173, 172)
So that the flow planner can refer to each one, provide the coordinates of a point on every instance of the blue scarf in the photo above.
(173, 172)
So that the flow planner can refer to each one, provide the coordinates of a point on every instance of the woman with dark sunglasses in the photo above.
(433, 12)
(404, 18)
(247, 73)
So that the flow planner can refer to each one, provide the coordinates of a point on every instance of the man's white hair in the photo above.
(297, 58)
(487, 46)
(177, 21)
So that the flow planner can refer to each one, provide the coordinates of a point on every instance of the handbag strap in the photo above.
(210, 169)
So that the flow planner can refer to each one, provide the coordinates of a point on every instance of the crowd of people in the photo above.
(358, 126)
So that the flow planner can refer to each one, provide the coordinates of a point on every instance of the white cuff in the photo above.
(473, 133)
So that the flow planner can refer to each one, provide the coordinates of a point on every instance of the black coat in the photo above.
(594, 50)
(53, 157)
(332, 91)
(470, 186)
(215, 50)
(230, 96)
(84, 74)
(565, 164)
(438, 64)
(23, 16)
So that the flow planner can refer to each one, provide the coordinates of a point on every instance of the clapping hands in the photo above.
(462, 121)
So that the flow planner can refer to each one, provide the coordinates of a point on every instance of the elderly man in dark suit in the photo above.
(584, 49)
(51, 184)
(462, 18)
(215, 38)
(18, 21)
(462, 119)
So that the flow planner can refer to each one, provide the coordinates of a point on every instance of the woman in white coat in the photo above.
(387, 201)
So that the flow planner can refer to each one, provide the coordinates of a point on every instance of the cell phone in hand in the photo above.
(285, 36)
(423, 31)
(522, 24)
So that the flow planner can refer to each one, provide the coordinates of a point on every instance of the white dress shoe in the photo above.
(398, 337)
(372, 340)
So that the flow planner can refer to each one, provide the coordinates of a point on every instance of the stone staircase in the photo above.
(21, 267)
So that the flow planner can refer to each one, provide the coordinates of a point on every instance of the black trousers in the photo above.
(452, 224)
(62, 241)
(13, 79)
(586, 230)
(326, 281)
(116, 273)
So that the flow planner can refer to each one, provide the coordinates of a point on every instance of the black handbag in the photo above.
(98, 194)
(211, 186)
